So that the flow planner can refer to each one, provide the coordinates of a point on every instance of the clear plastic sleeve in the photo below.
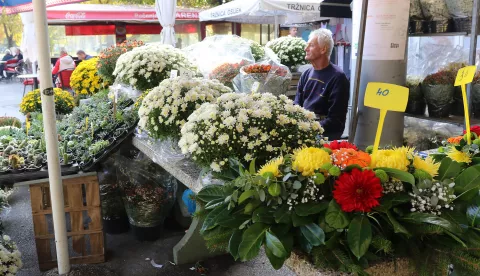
(263, 77)
(435, 10)
(460, 8)
(439, 99)
(122, 90)
(110, 193)
(148, 190)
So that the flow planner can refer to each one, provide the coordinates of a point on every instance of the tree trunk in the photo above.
(8, 35)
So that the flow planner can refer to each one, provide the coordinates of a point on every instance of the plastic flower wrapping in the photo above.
(271, 77)
(85, 79)
(109, 56)
(348, 209)
(32, 102)
(290, 50)
(246, 126)
(167, 107)
(10, 257)
(147, 66)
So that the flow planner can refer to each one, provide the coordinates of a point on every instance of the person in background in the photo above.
(65, 62)
(292, 32)
(324, 89)
(82, 55)
(7, 56)
(18, 54)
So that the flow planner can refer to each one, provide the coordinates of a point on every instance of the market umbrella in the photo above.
(166, 11)
(39, 8)
(29, 45)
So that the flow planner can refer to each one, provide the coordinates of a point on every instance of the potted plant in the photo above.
(476, 95)
(457, 105)
(148, 192)
(416, 102)
(438, 91)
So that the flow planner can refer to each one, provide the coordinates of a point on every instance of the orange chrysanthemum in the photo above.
(455, 140)
(346, 157)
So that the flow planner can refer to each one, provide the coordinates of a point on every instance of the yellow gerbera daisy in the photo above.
(427, 165)
(392, 158)
(307, 160)
(459, 156)
(272, 167)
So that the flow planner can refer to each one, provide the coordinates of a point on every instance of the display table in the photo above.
(191, 248)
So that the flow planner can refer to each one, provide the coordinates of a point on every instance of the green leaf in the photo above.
(275, 261)
(252, 169)
(211, 192)
(391, 200)
(473, 215)
(448, 169)
(457, 239)
(251, 206)
(351, 167)
(300, 221)
(286, 177)
(397, 227)
(476, 160)
(214, 216)
(282, 215)
(359, 235)
(275, 245)
(246, 195)
(252, 241)
(313, 233)
(232, 221)
(214, 203)
(335, 217)
(263, 214)
(469, 179)
(297, 185)
(304, 243)
(274, 189)
(310, 208)
(400, 175)
(234, 243)
(419, 218)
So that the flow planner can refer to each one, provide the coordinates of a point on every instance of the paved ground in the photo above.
(10, 98)
(125, 255)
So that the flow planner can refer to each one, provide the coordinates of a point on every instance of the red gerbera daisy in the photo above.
(336, 145)
(475, 129)
(358, 191)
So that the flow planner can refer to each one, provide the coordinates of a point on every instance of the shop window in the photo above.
(74, 38)
(218, 29)
(251, 31)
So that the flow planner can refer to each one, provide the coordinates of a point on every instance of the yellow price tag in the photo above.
(386, 97)
(27, 124)
(464, 77)
(86, 122)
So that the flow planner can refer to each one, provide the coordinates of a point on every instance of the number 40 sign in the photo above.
(386, 97)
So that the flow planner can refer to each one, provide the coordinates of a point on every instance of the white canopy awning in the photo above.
(264, 11)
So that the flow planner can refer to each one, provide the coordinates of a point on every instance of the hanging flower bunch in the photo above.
(341, 205)
(290, 50)
(10, 257)
(167, 107)
(32, 101)
(147, 66)
(85, 79)
(226, 72)
(107, 59)
(247, 126)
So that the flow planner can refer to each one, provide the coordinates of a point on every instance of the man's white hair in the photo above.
(63, 50)
(324, 37)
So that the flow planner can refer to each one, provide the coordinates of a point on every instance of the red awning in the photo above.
(78, 13)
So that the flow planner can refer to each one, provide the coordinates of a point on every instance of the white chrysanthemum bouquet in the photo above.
(166, 108)
(10, 257)
(290, 50)
(247, 127)
(147, 66)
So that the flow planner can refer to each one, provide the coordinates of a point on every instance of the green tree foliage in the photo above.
(11, 27)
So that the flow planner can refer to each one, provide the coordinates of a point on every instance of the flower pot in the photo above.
(116, 226)
(476, 100)
(457, 105)
(147, 233)
(439, 99)
(416, 102)
(148, 192)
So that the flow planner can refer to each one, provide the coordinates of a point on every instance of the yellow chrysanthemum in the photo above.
(392, 158)
(272, 167)
(307, 160)
(427, 165)
(85, 79)
(407, 151)
(459, 156)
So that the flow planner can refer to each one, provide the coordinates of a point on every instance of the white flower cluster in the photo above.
(147, 66)
(166, 108)
(290, 50)
(10, 257)
(393, 186)
(311, 193)
(247, 126)
(433, 197)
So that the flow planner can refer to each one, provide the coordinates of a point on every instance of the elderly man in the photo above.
(82, 55)
(7, 56)
(324, 89)
(293, 31)
(63, 63)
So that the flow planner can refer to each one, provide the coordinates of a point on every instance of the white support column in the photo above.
(50, 130)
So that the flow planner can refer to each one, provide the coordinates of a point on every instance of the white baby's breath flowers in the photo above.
(166, 108)
(247, 127)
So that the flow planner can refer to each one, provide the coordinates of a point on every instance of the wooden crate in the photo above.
(83, 219)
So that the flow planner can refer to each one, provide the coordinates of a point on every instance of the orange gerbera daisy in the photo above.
(455, 140)
(346, 157)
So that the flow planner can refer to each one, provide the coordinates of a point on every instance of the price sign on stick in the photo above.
(464, 77)
(386, 97)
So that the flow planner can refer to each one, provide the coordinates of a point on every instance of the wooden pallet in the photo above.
(83, 217)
